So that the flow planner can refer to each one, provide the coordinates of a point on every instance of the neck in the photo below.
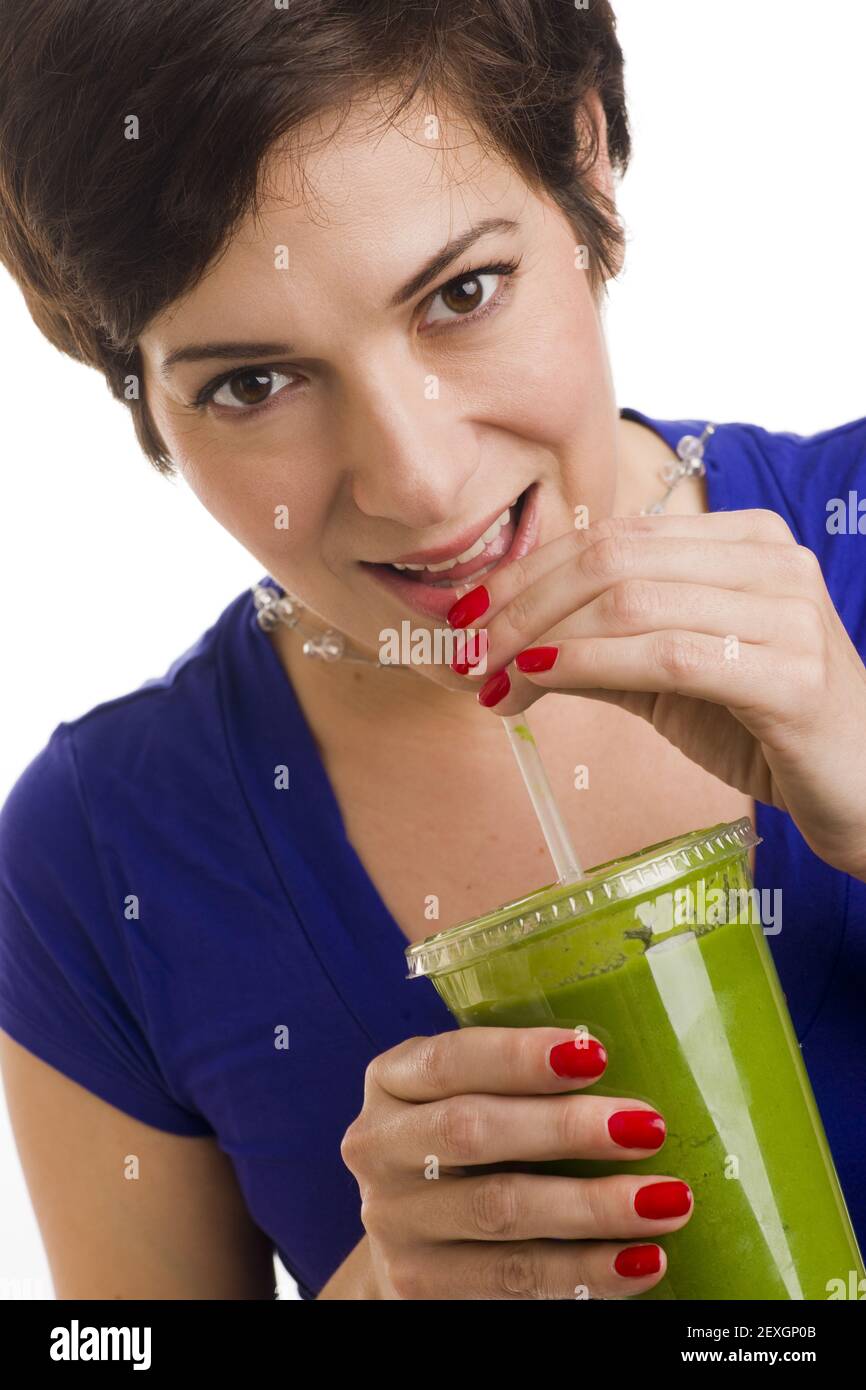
(345, 696)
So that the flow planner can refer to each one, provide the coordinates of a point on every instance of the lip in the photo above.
(429, 602)
(450, 551)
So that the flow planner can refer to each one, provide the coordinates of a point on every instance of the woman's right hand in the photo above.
(438, 1110)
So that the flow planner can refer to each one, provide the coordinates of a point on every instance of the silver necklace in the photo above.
(276, 605)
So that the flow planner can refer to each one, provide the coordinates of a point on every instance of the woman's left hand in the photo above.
(719, 631)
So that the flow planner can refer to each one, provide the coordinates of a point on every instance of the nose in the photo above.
(409, 457)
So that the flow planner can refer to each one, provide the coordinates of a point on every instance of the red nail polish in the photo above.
(536, 658)
(470, 650)
(571, 1059)
(637, 1260)
(469, 607)
(660, 1200)
(637, 1129)
(495, 689)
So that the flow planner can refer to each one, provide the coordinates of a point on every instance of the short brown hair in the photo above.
(102, 232)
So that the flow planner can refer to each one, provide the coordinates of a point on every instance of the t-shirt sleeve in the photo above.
(68, 992)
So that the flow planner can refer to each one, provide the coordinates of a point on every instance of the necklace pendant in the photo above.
(672, 472)
(275, 608)
(329, 647)
(690, 450)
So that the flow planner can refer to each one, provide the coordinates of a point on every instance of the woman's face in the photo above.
(365, 413)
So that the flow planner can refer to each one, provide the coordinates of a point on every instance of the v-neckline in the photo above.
(347, 924)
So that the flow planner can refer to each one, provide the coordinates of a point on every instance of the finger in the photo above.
(534, 610)
(758, 681)
(502, 1061)
(633, 606)
(757, 524)
(524, 1206)
(748, 524)
(542, 1270)
(477, 1128)
(509, 692)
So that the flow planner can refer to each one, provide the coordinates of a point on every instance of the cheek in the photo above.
(548, 381)
(271, 510)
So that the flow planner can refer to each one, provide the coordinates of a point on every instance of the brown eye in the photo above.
(464, 295)
(471, 294)
(252, 387)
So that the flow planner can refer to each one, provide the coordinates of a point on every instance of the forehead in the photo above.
(351, 203)
(359, 175)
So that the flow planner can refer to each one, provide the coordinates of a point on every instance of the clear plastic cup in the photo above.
(662, 956)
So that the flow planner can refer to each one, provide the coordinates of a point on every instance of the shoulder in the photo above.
(804, 477)
(118, 751)
(815, 482)
(96, 820)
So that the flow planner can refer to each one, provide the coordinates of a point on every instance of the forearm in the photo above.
(354, 1279)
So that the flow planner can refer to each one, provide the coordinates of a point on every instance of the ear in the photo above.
(601, 173)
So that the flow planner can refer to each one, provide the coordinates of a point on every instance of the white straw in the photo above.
(565, 861)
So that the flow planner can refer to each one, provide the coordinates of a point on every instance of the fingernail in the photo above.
(469, 607)
(536, 658)
(637, 1260)
(588, 1058)
(470, 651)
(495, 689)
(659, 1200)
(637, 1129)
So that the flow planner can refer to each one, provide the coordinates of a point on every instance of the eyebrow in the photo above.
(203, 352)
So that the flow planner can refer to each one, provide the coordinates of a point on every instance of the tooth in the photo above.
(443, 565)
(490, 534)
(444, 583)
(492, 530)
(473, 550)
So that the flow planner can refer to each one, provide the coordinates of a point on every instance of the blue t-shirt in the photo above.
(172, 914)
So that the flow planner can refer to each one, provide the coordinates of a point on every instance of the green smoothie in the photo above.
(662, 956)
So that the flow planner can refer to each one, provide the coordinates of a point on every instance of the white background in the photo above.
(742, 299)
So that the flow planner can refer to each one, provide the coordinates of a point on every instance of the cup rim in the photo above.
(616, 880)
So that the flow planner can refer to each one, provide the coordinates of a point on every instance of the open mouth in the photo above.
(431, 589)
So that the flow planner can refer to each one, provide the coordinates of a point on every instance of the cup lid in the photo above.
(615, 881)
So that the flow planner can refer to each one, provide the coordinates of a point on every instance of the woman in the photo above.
(208, 883)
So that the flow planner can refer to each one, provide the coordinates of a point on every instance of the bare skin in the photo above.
(179, 1230)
